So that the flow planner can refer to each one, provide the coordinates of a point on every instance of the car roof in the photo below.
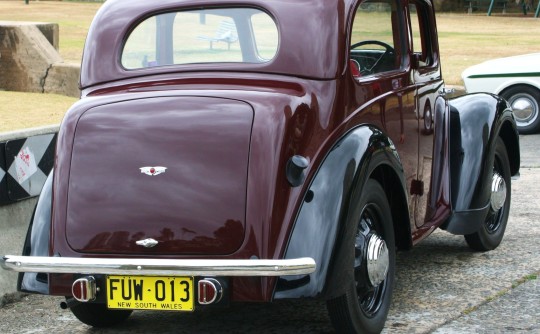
(312, 38)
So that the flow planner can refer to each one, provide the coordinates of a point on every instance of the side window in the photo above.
(375, 39)
(421, 34)
(266, 36)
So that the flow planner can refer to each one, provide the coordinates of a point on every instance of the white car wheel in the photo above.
(525, 102)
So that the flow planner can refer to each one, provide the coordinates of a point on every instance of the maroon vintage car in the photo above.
(250, 150)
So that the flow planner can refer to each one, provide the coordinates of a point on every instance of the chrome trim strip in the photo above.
(158, 267)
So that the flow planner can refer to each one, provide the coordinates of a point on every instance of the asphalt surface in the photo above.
(442, 287)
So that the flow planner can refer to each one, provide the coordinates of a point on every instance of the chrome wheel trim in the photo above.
(370, 295)
(378, 260)
(525, 109)
(498, 205)
(428, 118)
(498, 192)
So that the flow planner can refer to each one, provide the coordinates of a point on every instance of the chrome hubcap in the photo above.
(372, 261)
(498, 192)
(377, 260)
(525, 108)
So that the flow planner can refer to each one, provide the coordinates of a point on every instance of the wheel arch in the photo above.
(509, 85)
(508, 134)
(389, 175)
(364, 152)
(390, 181)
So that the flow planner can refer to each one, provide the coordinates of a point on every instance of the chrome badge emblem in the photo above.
(153, 171)
(148, 243)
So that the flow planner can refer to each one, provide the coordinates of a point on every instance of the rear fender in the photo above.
(37, 241)
(321, 227)
(476, 120)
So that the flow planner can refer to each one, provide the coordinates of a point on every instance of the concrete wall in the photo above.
(14, 220)
(30, 62)
(63, 79)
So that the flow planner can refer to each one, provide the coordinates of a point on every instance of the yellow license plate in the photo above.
(150, 293)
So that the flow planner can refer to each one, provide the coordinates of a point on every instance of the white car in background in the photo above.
(517, 79)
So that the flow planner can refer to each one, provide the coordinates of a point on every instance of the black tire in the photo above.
(491, 233)
(364, 307)
(525, 101)
(98, 315)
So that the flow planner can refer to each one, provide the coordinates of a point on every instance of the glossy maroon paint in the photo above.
(300, 104)
(115, 20)
(205, 153)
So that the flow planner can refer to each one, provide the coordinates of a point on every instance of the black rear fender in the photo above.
(322, 225)
(37, 241)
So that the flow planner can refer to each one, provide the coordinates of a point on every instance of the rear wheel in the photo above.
(364, 307)
(98, 315)
(525, 101)
(490, 234)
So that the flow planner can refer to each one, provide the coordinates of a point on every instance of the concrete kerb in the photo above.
(25, 133)
(14, 219)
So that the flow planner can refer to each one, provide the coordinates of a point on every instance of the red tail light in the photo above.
(210, 291)
(84, 289)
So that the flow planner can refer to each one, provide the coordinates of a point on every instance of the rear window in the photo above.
(238, 35)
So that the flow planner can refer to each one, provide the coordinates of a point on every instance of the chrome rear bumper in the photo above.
(158, 267)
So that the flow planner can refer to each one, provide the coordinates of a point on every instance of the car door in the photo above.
(427, 79)
(384, 90)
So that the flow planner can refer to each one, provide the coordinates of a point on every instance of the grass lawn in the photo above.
(464, 40)
(28, 110)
